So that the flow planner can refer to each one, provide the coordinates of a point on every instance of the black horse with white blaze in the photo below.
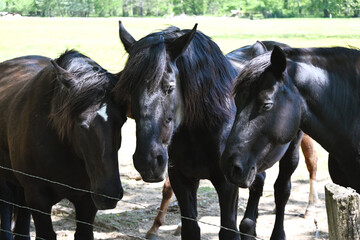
(60, 125)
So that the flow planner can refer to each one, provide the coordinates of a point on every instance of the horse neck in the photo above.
(330, 103)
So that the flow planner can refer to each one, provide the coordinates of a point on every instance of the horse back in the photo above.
(14, 74)
(239, 57)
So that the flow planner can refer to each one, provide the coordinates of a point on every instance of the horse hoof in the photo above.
(274, 211)
(151, 236)
(247, 226)
(177, 231)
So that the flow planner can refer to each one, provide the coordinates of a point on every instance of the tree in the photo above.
(142, 8)
(23, 7)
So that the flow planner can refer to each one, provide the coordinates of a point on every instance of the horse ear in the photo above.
(278, 60)
(125, 37)
(177, 47)
(63, 76)
(258, 49)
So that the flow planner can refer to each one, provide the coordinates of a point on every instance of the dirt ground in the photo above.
(134, 215)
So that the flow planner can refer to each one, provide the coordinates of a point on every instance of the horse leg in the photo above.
(6, 194)
(282, 186)
(85, 215)
(6, 213)
(159, 220)
(22, 224)
(311, 158)
(22, 217)
(337, 175)
(41, 214)
(185, 191)
(228, 199)
(345, 176)
(248, 223)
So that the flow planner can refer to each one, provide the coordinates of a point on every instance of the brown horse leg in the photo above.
(159, 220)
(311, 158)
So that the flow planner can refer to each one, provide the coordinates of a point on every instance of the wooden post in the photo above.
(343, 212)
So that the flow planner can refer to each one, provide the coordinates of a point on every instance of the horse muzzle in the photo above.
(107, 200)
(153, 167)
(153, 178)
(238, 172)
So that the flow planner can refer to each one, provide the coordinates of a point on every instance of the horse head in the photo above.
(85, 116)
(267, 118)
(149, 82)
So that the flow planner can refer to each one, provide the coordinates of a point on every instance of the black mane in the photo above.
(252, 71)
(206, 78)
(93, 84)
(205, 74)
(146, 62)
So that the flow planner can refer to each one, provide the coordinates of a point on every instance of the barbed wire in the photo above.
(109, 197)
(49, 214)
(18, 234)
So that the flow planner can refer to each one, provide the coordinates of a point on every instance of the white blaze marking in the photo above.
(102, 112)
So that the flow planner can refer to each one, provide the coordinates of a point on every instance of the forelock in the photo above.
(252, 71)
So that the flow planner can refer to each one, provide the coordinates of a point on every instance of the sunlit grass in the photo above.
(98, 37)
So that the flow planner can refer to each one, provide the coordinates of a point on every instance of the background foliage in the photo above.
(142, 8)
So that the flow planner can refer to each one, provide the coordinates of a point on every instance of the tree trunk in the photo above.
(125, 8)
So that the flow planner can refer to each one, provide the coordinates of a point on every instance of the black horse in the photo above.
(203, 116)
(10, 192)
(238, 58)
(315, 90)
(61, 125)
(12, 196)
(205, 85)
(147, 85)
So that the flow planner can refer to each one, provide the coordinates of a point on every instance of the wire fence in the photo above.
(102, 195)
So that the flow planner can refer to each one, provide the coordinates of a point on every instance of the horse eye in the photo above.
(168, 120)
(169, 90)
(267, 106)
(84, 125)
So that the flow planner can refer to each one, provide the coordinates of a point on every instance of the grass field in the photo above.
(98, 37)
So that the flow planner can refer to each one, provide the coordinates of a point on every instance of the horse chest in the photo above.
(196, 155)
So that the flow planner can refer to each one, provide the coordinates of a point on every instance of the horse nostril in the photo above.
(160, 160)
(159, 156)
(236, 171)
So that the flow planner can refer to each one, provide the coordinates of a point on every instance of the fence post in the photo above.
(343, 212)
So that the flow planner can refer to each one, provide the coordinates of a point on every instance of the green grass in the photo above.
(204, 190)
(98, 37)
